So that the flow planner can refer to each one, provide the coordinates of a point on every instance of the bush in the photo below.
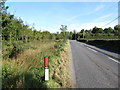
(59, 46)
(17, 47)
(9, 76)
(82, 40)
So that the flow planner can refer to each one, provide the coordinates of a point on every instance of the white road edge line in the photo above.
(114, 60)
(92, 49)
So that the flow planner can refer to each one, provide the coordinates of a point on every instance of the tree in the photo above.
(74, 36)
(3, 8)
(82, 31)
(108, 30)
(100, 30)
(117, 30)
(64, 28)
(63, 31)
(70, 35)
(97, 30)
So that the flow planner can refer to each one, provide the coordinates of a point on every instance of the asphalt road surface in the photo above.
(93, 69)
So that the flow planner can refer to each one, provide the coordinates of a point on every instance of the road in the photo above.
(93, 69)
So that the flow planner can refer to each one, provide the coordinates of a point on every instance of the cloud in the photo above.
(88, 13)
(99, 8)
(73, 17)
(103, 17)
(77, 26)
(91, 25)
(53, 29)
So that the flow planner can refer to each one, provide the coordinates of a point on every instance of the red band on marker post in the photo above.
(45, 61)
(46, 68)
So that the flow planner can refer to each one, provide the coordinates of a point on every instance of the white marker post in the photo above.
(46, 68)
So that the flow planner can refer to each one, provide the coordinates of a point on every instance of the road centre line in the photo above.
(114, 60)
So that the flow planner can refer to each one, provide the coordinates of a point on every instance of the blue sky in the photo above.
(76, 15)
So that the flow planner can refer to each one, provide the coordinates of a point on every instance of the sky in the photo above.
(76, 15)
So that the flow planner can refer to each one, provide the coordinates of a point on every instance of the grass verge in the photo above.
(60, 69)
(27, 70)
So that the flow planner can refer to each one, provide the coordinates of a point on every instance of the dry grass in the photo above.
(29, 57)
(60, 72)
(23, 64)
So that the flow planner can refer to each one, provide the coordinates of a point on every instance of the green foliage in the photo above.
(16, 34)
(82, 31)
(97, 30)
(18, 47)
(64, 33)
(34, 76)
(9, 76)
(117, 30)
(59, 46)
(64, 28)
(97, 33)
(11, 50)
(108, 30)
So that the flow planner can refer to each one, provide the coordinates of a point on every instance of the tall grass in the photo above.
(27, 71)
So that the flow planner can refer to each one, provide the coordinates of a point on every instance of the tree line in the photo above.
(97, 33)
(13, 29)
